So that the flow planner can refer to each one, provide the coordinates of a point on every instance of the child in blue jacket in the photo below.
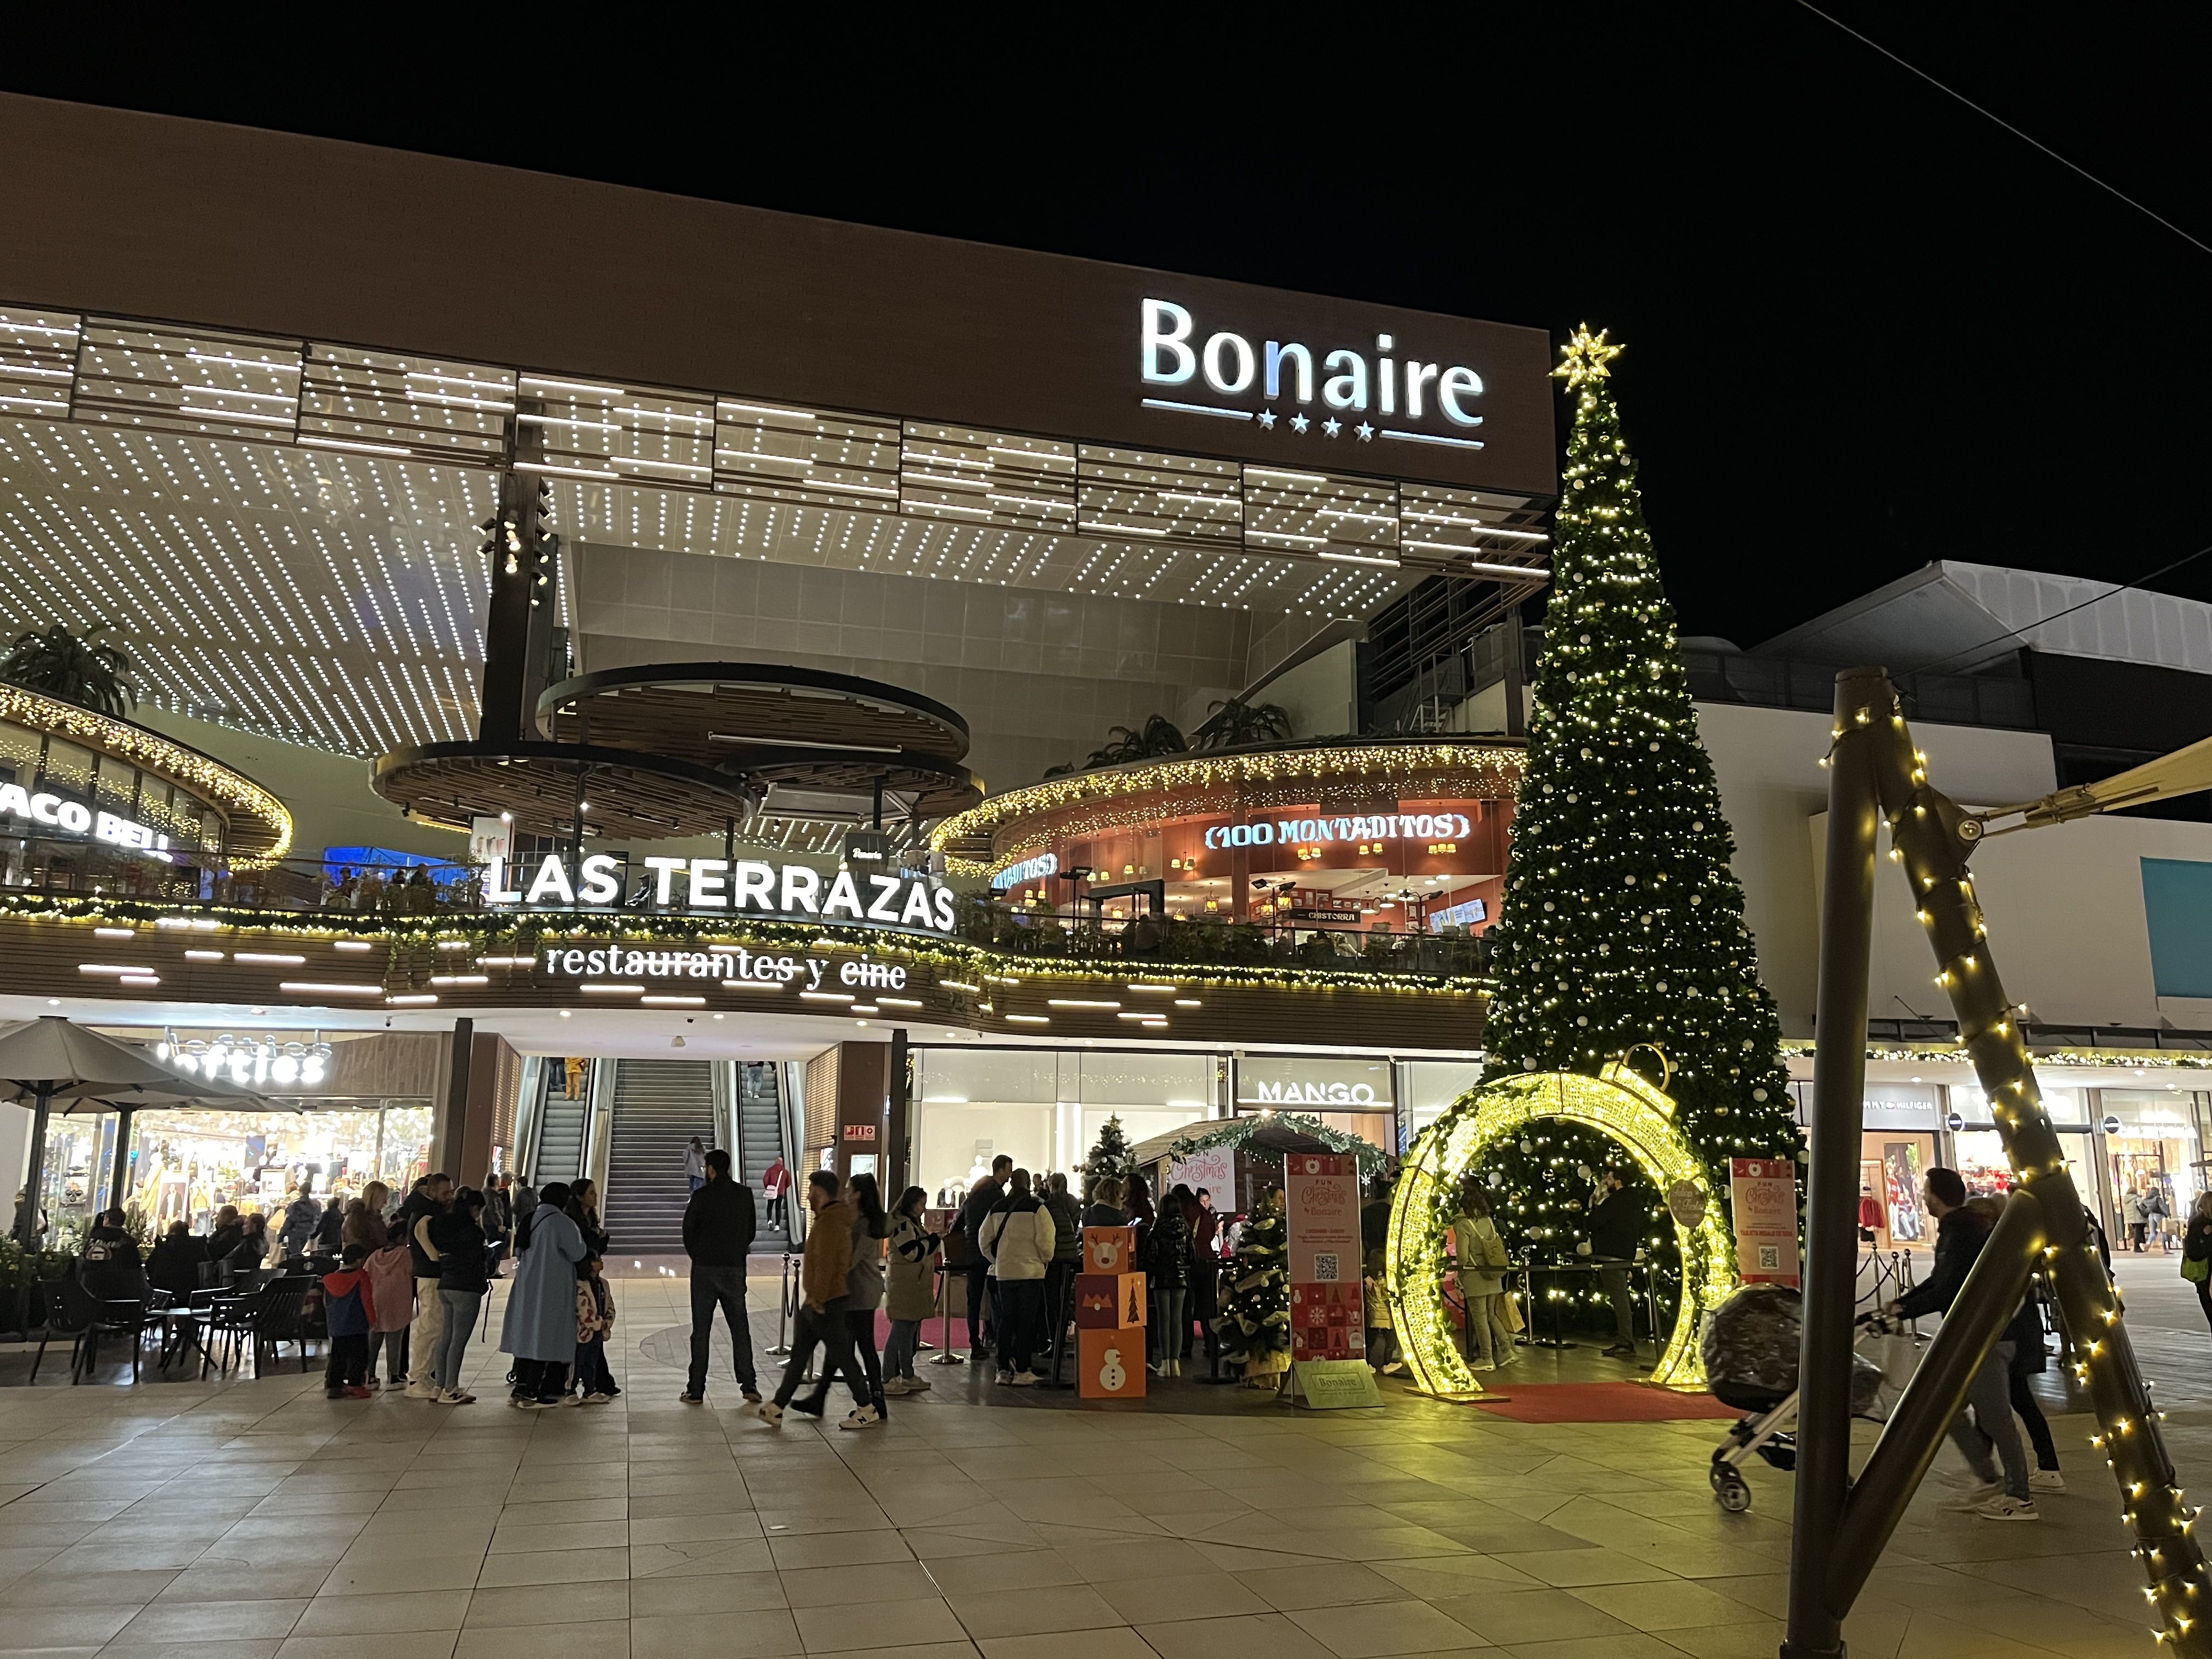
(348, 1309)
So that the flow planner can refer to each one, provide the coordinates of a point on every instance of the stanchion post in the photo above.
(783, 1311)
(950, 1357)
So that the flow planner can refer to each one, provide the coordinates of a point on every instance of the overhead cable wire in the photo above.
(2076, 166)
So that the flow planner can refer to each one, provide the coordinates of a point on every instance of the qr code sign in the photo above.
(1324, 1269)
(1770, 1258)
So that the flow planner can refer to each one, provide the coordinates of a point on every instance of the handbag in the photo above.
(2196, 1273)
(1510, 1307)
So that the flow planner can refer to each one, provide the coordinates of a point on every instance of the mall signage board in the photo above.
(734, 965)
(1295, 1083)
(790, 892)
(1763, 1196)
(57, 817)
(1320, 1213)
(1323, 832)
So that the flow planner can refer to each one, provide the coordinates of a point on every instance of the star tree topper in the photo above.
(1585, 355)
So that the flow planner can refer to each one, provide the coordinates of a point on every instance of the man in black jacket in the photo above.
(1960, 1234)
(718, 1236)
(988, 1195)
(433, 1195)
(1617, 1222)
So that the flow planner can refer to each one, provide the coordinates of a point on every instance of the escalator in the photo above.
(760, 1142)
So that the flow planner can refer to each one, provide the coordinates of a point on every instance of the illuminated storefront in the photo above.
(1336, 837)
(2150, 1145)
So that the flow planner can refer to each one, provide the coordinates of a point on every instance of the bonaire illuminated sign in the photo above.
(1342, 382)
(1383, 826)
(73, 818)
(790, 892)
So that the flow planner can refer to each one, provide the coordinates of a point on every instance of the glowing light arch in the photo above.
(1627, 1108)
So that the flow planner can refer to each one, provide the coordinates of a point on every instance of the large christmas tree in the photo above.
(1623, 921)
(1110, 1156)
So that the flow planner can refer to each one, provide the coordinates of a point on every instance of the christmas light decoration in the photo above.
(1236, 1131)
(1619, 1104)
(1622, 921)
(126, 740)
(1124, 795)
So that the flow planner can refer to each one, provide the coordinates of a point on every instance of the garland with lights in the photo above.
(1622, 919)
(1199, 783)
(483, 929)
(1236, 1131)
(1256, 1314)
(127, 741)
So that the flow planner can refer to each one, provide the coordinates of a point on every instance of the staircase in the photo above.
(561, 1131)
(659, 1104)
(760, 1143)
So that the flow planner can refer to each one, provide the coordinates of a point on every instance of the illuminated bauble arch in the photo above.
(1619, 1104)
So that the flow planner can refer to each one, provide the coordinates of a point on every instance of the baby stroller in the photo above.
(1750, 1347)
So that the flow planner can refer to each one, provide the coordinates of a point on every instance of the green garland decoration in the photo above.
(1236, 1131)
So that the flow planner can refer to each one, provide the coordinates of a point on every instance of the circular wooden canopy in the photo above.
(706, 713)
(626, 794)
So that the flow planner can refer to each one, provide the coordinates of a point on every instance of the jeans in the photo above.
(979, 1288)
(429, 1320)
(1021, 1310)
(723, 1287)
(823, 1327)
(394, 1346)
(862, 1375)
(1990, 1396)
(899, 1351)
(1488, 1338)
(2039, 1429)
(694, 1182)
(1616, 1278)
(1172, 1299)
(349, 1362)
(460, 1321)
(541, 1379)
(1059, 1302)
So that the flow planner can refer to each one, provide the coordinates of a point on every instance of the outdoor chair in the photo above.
(73, 1312)
(280, 1316)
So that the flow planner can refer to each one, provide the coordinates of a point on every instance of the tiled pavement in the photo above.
(260, 1521)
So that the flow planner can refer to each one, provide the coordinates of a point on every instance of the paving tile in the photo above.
(1196, 1594)
(1068, 1607)
(1677, 1604)
(411, 1644)
(592, 1601)
(549, 1567)
(211, 1621)
(29, 1628)
(1375, 1628)
(588, 1639)
(734, 1592)
(1512, 1618)
(758, 1636)
(1116, 1643)
(423, 1610)
(1269, 1633)
(863, 1624)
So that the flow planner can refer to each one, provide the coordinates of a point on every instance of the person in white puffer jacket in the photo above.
(1018, 1238)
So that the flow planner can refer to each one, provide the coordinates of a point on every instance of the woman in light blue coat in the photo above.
(539, 1328)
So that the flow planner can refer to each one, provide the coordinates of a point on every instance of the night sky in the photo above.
(1867, 327)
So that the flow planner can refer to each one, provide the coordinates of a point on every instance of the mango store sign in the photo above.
(790, 892)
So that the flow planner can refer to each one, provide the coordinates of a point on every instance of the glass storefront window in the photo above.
(186, 1165)
(2153, 1154)
(1430, 1087)
(1042, 1107)
(1979, 1155)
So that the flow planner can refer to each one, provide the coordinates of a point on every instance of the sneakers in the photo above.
(752, 1395)
(770, 1413)
(531, 1404)
(456, 1397)
(2046, 1481)
(1973, 1499)
(1621, 1351)
(597, 1398)
(1482, 1365)
(1020, 1380)
(861, 1417)
(422, 1390)
(697, 1397)
(914, 1385)
(2003, 1508)
(1004, 1375)
(896, 1385)
(334, 1394)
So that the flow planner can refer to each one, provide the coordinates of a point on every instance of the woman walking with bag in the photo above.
(910, 1291)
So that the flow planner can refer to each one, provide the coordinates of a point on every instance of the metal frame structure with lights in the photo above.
(1877, 780)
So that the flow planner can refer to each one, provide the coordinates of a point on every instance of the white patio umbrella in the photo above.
(49, 1058)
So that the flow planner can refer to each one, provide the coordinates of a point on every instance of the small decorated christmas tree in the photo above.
(1255, 1317)
(1110, 1156)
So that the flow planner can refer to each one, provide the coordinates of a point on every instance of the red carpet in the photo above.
(1601, 1402)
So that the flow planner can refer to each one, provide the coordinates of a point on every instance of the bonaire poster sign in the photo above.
(1321, 1213)
(1763, 1193)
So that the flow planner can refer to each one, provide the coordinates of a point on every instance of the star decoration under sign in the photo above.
(1268, 419)
(1332, 426)
(1366, 432)
(1299, 423)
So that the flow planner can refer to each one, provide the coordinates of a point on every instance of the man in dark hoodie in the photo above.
(718, 1236)
(1960, 1232)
